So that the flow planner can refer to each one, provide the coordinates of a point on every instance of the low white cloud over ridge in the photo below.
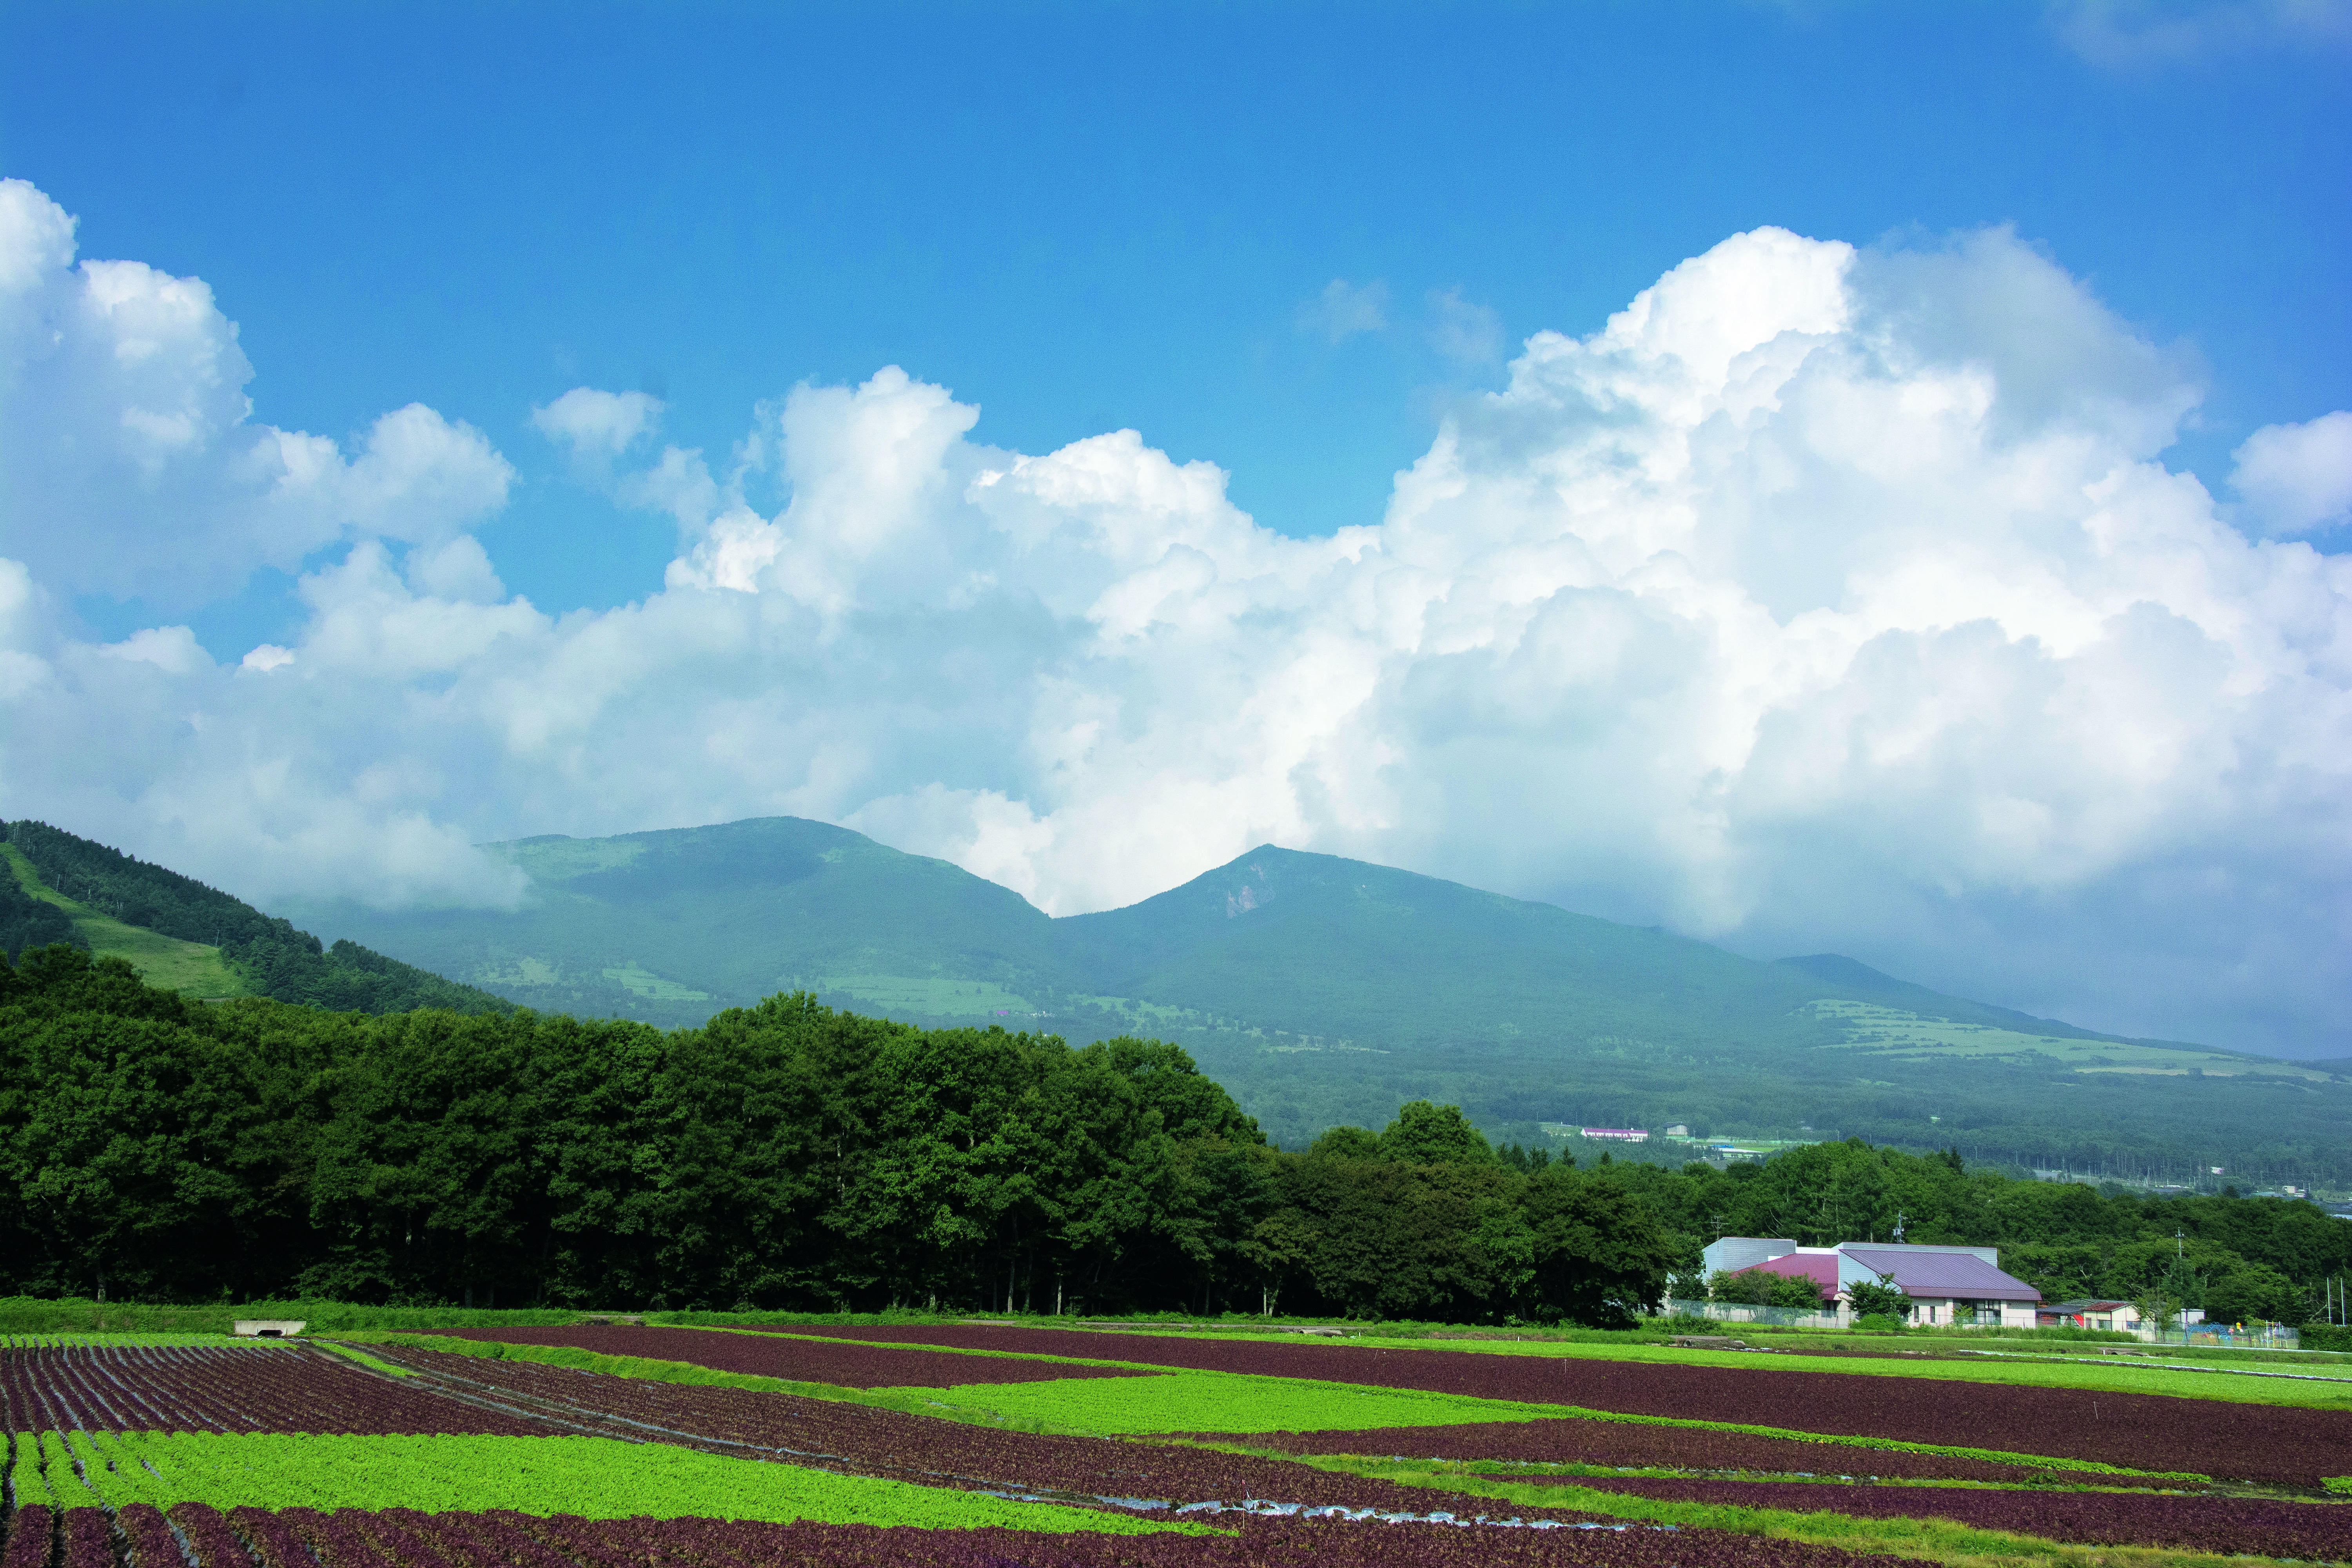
(1824, 599)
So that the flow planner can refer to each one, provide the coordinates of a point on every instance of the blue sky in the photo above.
(1818, 476)
(1086, 218)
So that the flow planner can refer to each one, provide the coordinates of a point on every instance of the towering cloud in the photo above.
(1822, 599)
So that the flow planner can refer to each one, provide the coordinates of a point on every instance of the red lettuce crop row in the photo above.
(2224, 1524)
(1640, 1445)
(145, 1389)
(146, 1540)
(31, 1538)
(2267, 1442)
(88, 1541)
(215, 1545)
(798, 1359)
(402, 1538)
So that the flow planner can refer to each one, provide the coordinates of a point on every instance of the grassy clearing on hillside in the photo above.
(1893, 1033)
(595, 1478)
(191, 968)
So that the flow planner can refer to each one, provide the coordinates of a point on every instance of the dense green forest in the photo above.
(794, 1156)
(27, 922)
(266, 953)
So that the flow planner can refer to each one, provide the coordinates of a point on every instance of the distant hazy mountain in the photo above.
(1324, 990)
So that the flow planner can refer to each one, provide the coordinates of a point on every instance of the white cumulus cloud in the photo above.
(1819, 599)
(132, 466)
(2296, 478)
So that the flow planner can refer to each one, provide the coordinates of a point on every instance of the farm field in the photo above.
(988, 1447)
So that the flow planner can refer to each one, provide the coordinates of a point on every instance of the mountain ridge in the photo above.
(1323, 990)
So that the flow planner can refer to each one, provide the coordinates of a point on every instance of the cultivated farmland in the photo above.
(624, 1447)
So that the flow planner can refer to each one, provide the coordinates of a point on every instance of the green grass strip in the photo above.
(597, 1478)
(373, 1363)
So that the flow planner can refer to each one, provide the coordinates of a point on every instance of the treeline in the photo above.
(26, 921)
(788, 1156)
(268, 954)
(784, 1156)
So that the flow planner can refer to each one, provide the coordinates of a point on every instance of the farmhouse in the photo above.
(1945, 1284)
(2117, 1315)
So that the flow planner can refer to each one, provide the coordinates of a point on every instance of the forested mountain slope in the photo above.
(670, 927)
(185, 936)
(1324, 991)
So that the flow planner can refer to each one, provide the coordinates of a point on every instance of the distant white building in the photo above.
(1945, 1284)
(1622, 1135)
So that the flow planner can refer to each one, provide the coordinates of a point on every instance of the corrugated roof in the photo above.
(1944, 1275)
(1821, 1267)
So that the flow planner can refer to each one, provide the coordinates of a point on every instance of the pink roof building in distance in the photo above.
(1943, 1282)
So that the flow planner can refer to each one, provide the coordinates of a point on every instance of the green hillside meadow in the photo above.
(1323, 990)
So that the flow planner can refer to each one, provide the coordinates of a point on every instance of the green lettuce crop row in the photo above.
(1221, 1402)
(595, 1478)
(71, 1342)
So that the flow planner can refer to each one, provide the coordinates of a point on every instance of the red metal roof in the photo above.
(1821, 1267)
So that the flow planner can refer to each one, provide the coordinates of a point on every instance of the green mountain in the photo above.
(1324, 991)
(671, 927)
(185, 936)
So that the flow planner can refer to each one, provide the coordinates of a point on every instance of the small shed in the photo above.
(268, 1328)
